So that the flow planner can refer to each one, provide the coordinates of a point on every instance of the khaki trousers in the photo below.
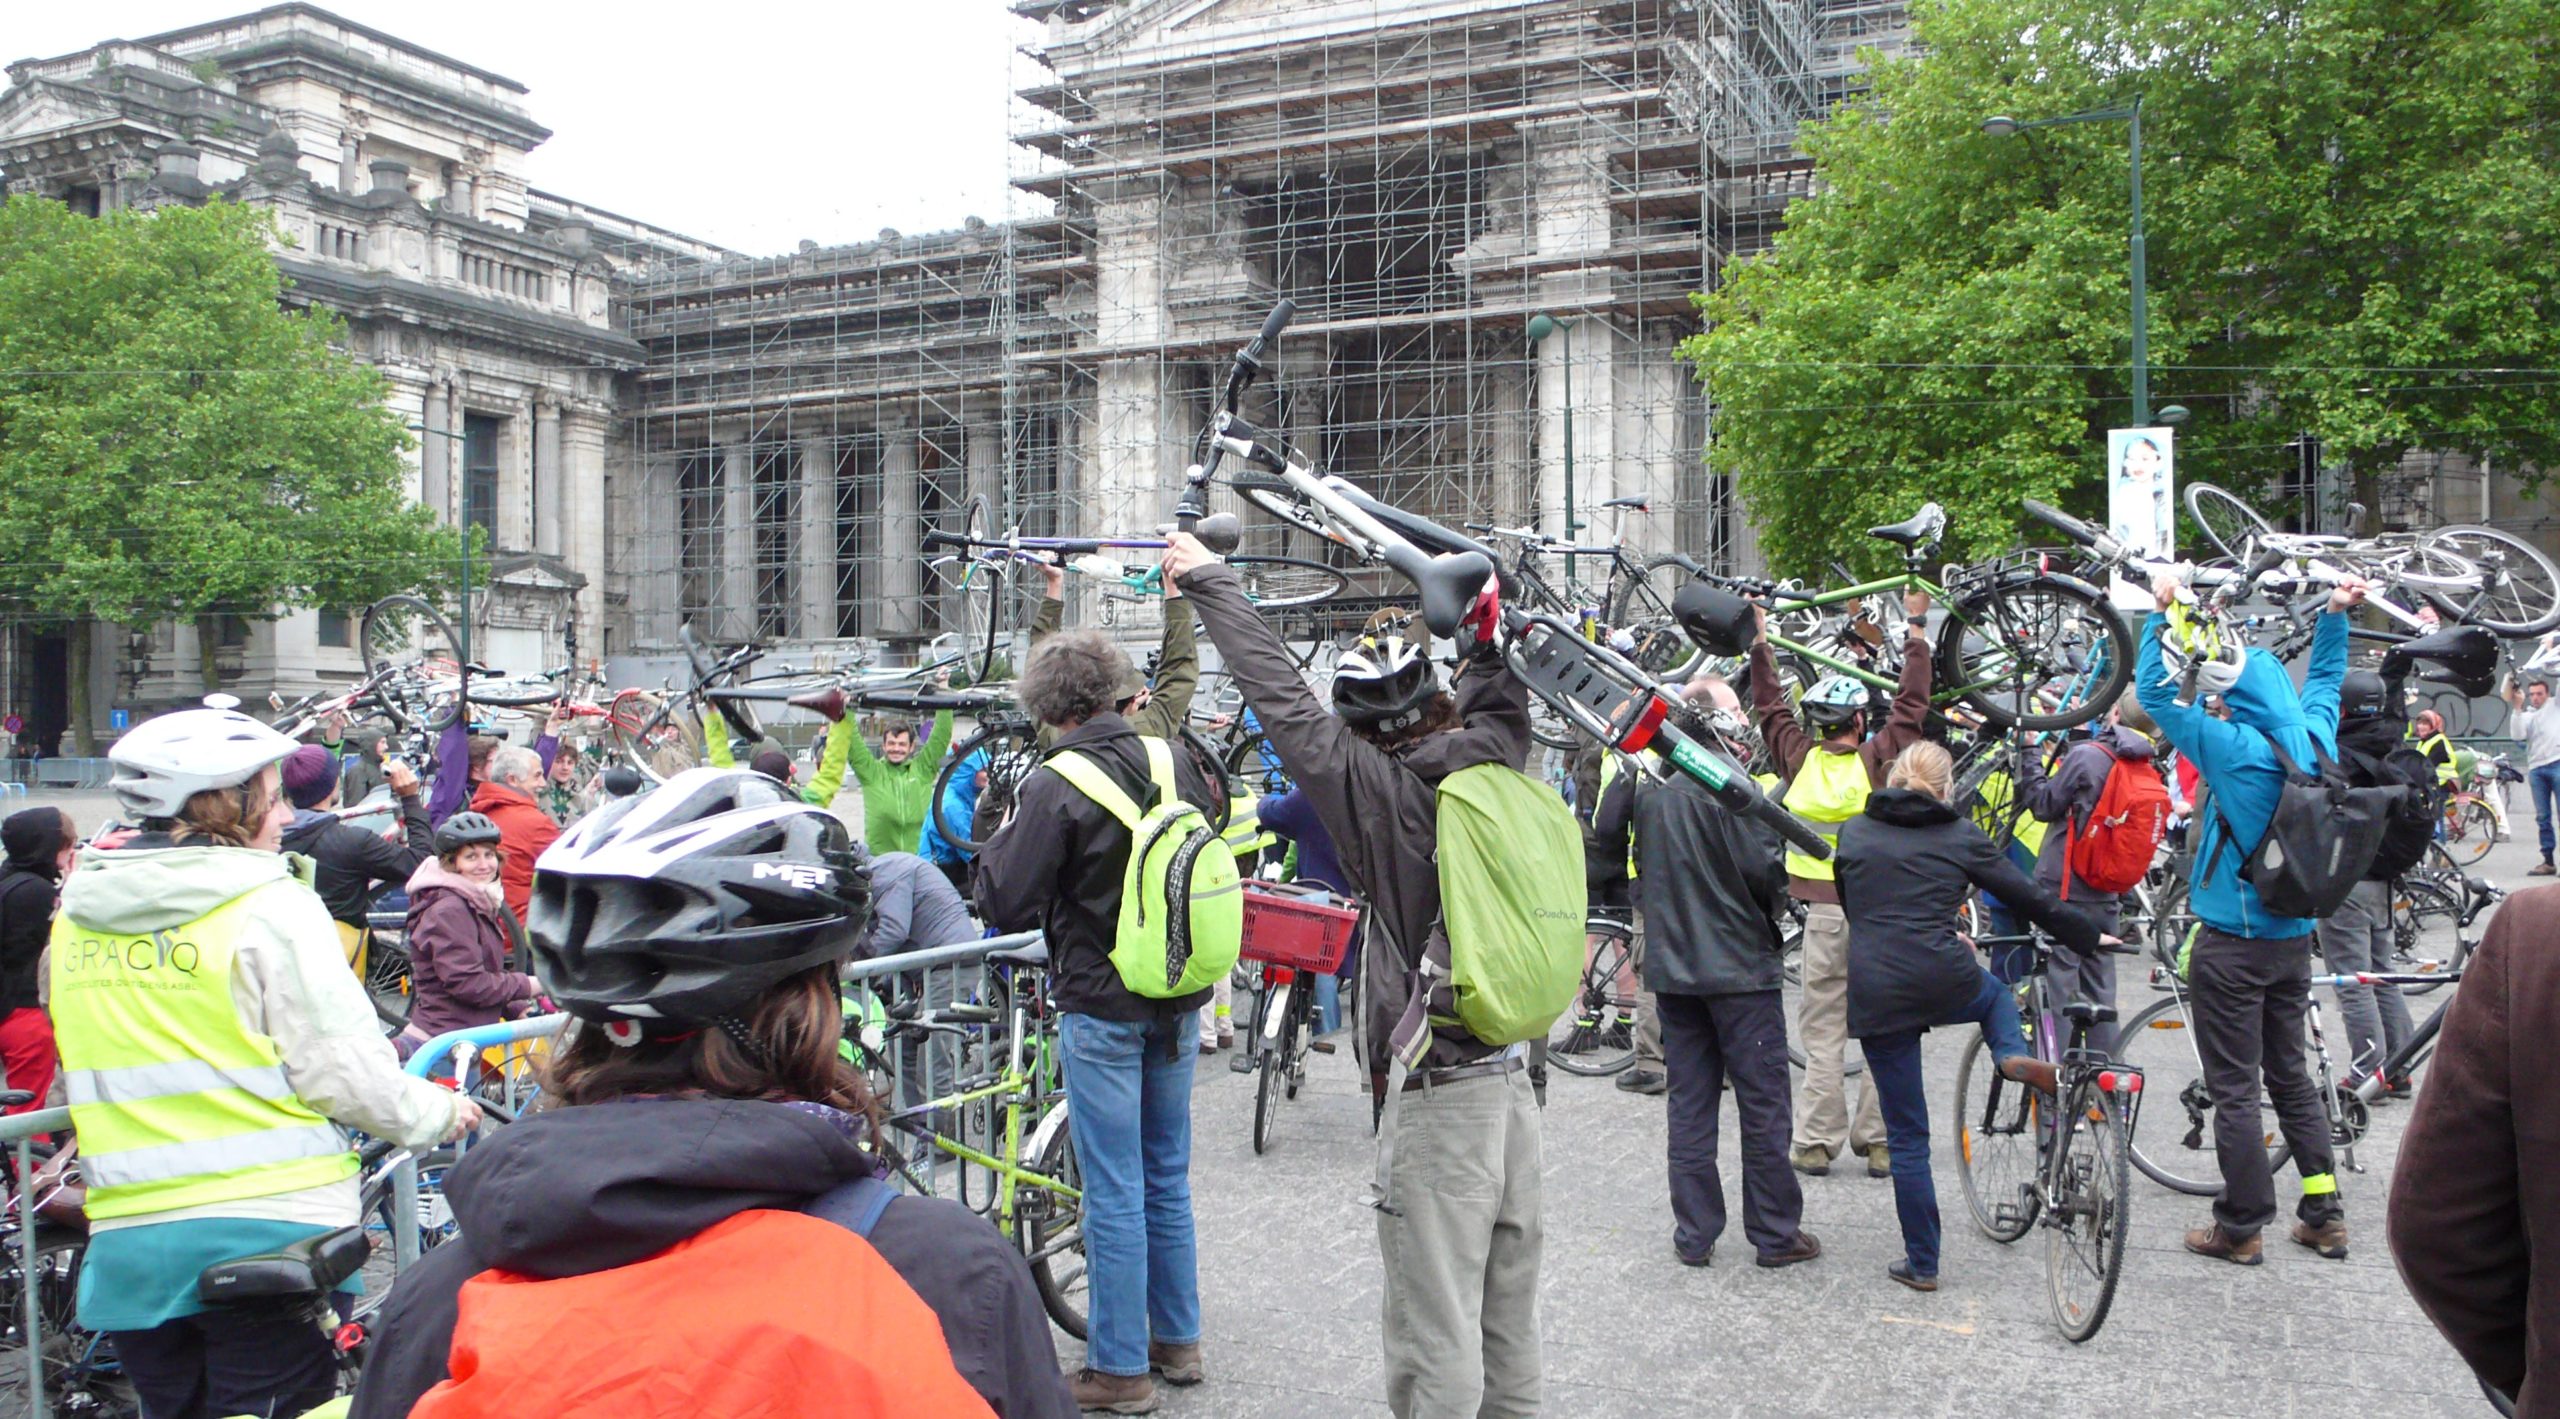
(1461, 1252)
(1822, 1022)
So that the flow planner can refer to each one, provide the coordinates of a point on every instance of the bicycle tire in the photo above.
(1267, 491)
(1276, 583)
(1551, 728)
(1266, 1101)
(2233, 527)
(72, 1383)
(511, 693)
(1996, 1151)
(2077, 620)
(399, 632)
(1249, 770)
(1013, 751)
(658, 738)
(2169, 1072)
(1052, 1234)
(2426, 915)
(1585, 1039)
(2529, 610)
(1641, 609)
(2096, 1210)
(2471, 830)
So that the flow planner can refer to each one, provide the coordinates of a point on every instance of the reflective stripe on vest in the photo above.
(176, 1101)
(1608, 776)
(1828, 790)
(1245, 834)
(1995, 799)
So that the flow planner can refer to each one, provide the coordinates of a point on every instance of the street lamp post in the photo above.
(1540, 327)
(2002, 126)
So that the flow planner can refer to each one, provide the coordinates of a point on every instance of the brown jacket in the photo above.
(2475, 1203)
(1788, 743)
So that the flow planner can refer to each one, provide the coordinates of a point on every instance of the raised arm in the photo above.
(938, 743)
(2207, 741)
(2322, 675)
(716, 749)
(1177, 672)
(1316, 747)
(1910, 713)
(1779, 729)
(829, 779)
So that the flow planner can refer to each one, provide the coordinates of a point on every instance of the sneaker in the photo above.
(1643, 1081)
(1901, 1271)
(1704, 1258)
(1176, 1364)
(1226, 1037)
(2327, 1238)
(1879, 1162)
(1208, 1046)
(2541, 869)
(1113, 1394)
(1806, 1248)
(2222, 1246)
(2029, 1070)
(1814, 1162)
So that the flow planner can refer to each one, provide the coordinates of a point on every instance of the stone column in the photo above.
(736, 613)
(515, 481)
(901, 535)
(435, 458)
(547, 489)
(1139, 449)
(458, 197)
(817, 537)
(1651, 462)
(1514, 469)
(580, 501)
(350, 161)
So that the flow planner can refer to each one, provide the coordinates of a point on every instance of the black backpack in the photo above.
(2321, 839)
(2412, 824)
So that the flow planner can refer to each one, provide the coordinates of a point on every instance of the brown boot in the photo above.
(2222, 1246)
(1113, 1394)
(1176, 1364)
(2029, 1070)
(2327, 1238)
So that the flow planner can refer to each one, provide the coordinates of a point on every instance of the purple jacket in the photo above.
(458, 940)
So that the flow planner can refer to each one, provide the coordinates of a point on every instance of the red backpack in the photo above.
(2114, 848)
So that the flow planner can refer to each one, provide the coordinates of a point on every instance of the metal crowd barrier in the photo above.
(21, 1129)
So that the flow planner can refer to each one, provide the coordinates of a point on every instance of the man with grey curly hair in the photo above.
(1057, 864)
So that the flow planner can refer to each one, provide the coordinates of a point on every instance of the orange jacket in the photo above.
(524, 830)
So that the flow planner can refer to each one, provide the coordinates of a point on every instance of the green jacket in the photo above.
(1177, 670)
(895, 796)
(823, 785)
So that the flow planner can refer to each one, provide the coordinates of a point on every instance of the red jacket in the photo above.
(524, 830)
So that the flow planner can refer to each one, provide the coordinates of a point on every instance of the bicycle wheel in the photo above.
(405, 635)
(80, 1374)
(1596, 1035)
(1275, 1066)
(1006, 753)
(658, 737)
(2037, 652)
(2426, 930)
(2172, 1140)
(2524, 599)
(2470, 830)
(2084, 1243)
(386, 980)
(1267, 491)
(1998, 1123)
(1551, 728)
(1641, 610)
(2232, 526)
(1277, 582)
(1050, 1226)
(1254, 767)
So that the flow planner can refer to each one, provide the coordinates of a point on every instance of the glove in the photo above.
(1477, 628)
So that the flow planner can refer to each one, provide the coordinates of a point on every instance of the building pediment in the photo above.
(534, 572)
(44, 108)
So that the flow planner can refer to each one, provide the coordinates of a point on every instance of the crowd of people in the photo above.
(188, 979)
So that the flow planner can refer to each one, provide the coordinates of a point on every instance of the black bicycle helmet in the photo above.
(2363, 695)
(678, 908)
(464, 830)
(1384, 684)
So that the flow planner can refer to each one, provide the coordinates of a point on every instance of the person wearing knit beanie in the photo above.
(310, 776)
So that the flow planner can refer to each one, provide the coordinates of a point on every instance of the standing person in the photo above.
(914, 907)
(1614, 881)
(1460, 1229)
(1827, 783)
(2357, 937)
(41, 844)
(1906, 864)
(211, 1100)
(833, 756)
(348, 862)
(367, 769)
(1712, 886)
(459, 936)
(1292, 817)
(2538, 725)
(704, 1147)
(2427, 728)
(2066, 798)
(506, 798)
(2474, 1224)
(2250, 969)
(897, 782)
(959, 807)
(1057, 864)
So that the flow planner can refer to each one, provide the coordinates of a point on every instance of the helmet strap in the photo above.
(748, 1044)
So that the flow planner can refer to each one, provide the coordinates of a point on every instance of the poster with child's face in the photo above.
(2142, 503)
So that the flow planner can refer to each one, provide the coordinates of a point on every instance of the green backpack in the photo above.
(1181, 906)
(1513, 900)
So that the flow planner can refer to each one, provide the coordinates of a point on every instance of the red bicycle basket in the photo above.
(1286, 926)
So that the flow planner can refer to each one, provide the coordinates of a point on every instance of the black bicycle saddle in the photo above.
(306, 1269)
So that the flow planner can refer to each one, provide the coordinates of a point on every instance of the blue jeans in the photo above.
(1130, 1088)
(2545, 782)
(1893, 1062)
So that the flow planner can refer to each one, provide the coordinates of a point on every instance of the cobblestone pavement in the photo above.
(1290, 1281)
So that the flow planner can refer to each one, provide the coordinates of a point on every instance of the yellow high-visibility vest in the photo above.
(1827, 791)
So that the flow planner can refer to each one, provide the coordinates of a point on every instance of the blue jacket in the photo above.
(2238, 766)
(959, 804)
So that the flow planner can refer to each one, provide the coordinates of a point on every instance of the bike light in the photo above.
(348, 1338)
(1641, 733)
(2110, 1082)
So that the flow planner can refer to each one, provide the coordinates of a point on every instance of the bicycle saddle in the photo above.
(1036, 954)
(1923, 526)
(1638, 504)
(306, 1269)
(828, 702)
(2089, 1012)
(15, 1098)
(2467, 654)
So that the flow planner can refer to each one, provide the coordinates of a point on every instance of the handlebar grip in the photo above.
(1275, 322)
(2061, 522)
(936, 537)
(2268, 560)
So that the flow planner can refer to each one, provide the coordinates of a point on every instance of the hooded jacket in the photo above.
(524, 830)
(28, 884)
(459, 933)
(1381, 807)
(913, 906)
(1712, 884)
(1906, 865)
(349, 860)
(573, 1191)
(289, 981)
(2239, 770)
(2069, 794)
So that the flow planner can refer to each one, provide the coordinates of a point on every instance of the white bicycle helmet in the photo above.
(1833, 701)
(164, 761)
(1386, 682)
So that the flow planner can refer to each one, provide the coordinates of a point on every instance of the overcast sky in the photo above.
(751, 123)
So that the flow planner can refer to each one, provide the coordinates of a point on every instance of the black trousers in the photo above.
(226, 1362)
(2250, 1004)
(1705, 1040)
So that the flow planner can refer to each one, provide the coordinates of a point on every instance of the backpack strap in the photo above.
(1160, 769)
(1087, 778)
(855, 1206)
(1408, 1043)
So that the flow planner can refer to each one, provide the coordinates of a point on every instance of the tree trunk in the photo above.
(208, 651)
(2368, 485)
(84, 722)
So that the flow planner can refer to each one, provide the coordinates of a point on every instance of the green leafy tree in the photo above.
(175, 444)
(2352, 207)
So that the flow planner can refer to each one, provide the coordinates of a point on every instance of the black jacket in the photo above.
(1057, 866)
(351, 861)
(1382, 809)
(28, 889)
(1711, 885)
(1905, 867)
(573, 1191)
